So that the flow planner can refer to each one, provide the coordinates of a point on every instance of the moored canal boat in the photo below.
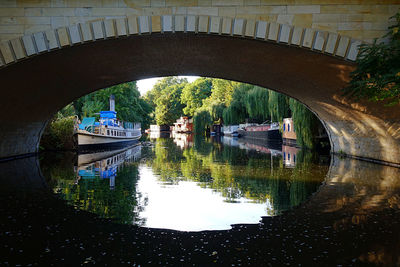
(108, 132)
(268, 132)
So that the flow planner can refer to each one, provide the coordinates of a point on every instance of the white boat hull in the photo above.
(90, 140)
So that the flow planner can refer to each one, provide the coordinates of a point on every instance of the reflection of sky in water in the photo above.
(188, 207)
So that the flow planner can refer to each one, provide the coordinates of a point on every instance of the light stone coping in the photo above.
(144, 25)
(273, 31)
(40, 42)
(215, 25)
(238, 27)
(203, 24)
(51, 39)
(167, 23)
(121, 27)
(318, 41)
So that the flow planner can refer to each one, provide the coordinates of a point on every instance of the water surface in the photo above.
(189, 183)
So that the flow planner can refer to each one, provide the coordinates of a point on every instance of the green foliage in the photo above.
(58, 134)
(305, 124)
(165, 99)
(278, 106)
(194, 93)
(377, 76)
(256, 101)
(202, 120)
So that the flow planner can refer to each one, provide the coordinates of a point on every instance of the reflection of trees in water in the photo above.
(94, 195)
(237, 173)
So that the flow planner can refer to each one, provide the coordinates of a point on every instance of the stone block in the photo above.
(250, 28)
(342, 46)
(133, 25)
(12, 12)
(273, 31)
(261, 31)
(331, 43)
(227, 3)
(109, 28)
(215, 25)
(121, 26)
(303, 20)
(167, 23)
(35, 28)
(58, 12)
(97, 27)
(191, 23)
(226, 26)
(51, 39)
(297, 36)
(86, 32)
(285, 33)
(285, 19)
(308, 9)
(144, 24)
(74, 34)
(18, 48)
(40, 42)
(173, 3)
(157, 3)
(33, 3)
(29, 45)
(58, 22)
(11, 29)
(238, 27)
(6, 51)
(205, 11)
(308, 38)
(353, 50)
(179, 23)
(63, 36)
(320, 39)
(155, 24)
(203, 24)
(227, 12)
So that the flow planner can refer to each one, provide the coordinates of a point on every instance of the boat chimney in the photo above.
(112, 103)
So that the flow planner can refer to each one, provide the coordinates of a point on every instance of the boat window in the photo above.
(108, 132)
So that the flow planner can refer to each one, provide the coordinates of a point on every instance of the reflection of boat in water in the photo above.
(182, 140)
(105, 164)
(230, 141)
(156, 135)
(260, 145)
(108, 131)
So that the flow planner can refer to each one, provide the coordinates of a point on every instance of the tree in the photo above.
(377, 76)
(256, 101)
(194, 93)
(168, 105)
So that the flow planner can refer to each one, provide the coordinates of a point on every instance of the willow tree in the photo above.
(194, 93)
(202, 120)
(278, 105)
(305, 124)
(256, 101)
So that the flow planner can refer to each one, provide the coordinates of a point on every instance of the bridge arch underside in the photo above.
(34, 89)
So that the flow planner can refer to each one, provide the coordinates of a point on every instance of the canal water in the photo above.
(189, 183)
(193, 201)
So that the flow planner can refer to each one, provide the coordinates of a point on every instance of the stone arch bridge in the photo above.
(54, 51)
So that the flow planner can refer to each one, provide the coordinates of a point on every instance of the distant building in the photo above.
(183, 125)
(159, 128)
(288, 132)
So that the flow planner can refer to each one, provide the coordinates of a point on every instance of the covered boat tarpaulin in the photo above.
(86, 122)
(108, 115)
